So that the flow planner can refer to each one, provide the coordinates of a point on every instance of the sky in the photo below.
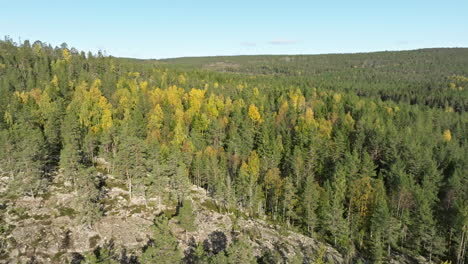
(166, 29)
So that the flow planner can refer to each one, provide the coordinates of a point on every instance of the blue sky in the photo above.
(163, 29)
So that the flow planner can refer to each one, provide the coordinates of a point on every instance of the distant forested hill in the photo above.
(415, 76)
(365, 152)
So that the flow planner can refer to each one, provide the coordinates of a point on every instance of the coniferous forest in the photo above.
(366, 153)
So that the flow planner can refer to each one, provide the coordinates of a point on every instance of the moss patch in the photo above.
(41, 217)
(67, 211)
(169, 213)
(137, 209)
(210, 205)
(20, 212)
(93, 241)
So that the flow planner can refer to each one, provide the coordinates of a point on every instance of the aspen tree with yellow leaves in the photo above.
(254, 114)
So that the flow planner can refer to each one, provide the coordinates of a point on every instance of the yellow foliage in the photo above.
(174, 96)
(196, 97)
(179, 133)
(361, 195)
(255, 91)
(106, 113)
(254, 114)
(254, 165)
(37, 48)
(66, 55)
(156, 96)
(360, 104)
(273, 181)
(179, 115)
(282, 112)
(228, 105)
(220, 102)
(181, 79)
(22, 96)
(211, 107)
(156, 117)
(134, 75)
(95, 111)
(144, 86)
(447, 135)
(239, 103)
(36, 94)
(372, 106)
(301, 103)
(309, 117)
(8, 118)
(337, 98)
(55, 81)
(210, 151)
(349, 121)
(225, 121)
(106, 119)
(333, 117)
(216, 85)
(94, 91)
(45, 104)
(296, 98)
(325, 128)
(389, 110)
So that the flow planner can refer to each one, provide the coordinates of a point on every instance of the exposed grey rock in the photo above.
(51, 231)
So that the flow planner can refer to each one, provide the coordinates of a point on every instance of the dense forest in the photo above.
(367, 152)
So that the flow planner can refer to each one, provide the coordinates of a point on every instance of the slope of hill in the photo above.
(50, 229)
(295, 159)
(415, 76)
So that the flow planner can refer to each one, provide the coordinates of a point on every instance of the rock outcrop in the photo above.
(50, 229)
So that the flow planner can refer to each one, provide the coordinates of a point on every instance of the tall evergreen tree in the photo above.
(163, 247)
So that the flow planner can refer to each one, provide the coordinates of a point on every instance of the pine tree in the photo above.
(240, 251)
(88, 201)
(310, 203)
(163, 247)
(71, 156)
(186, 217)
(289, 201)
(26, 159)
(338, 226)
(131, 159)
(380, 223)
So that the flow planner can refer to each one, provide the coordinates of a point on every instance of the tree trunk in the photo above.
(130, 187)
(461, 248)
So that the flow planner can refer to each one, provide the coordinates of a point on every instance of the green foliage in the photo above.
(163, 247)
(240, 251)
(186, 217)
(366, 151)
(310, 201)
